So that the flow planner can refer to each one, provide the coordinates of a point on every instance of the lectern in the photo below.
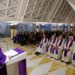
(15, 62)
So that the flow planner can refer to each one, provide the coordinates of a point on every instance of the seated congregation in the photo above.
(58, 46)
(24, 38)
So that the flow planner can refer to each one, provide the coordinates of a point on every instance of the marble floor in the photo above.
(42, 64)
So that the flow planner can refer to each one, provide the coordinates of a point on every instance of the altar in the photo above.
(15, 62)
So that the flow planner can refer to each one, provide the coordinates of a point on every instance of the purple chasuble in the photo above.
(42, 42)
(66, 51)
(52, 50)
(45, 40)
(56, 51)
(3, 70)
(59, 45)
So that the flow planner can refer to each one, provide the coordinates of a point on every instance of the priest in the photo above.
(51, 44)
(58, 47)
(41, 48)
(68, 49)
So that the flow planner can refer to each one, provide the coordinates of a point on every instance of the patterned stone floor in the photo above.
(42, 64)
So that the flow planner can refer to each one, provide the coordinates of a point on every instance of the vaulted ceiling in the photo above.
(72, 3)
(8, 8)
(37, 10)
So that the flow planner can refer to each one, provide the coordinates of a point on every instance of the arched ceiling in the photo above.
(37, 10)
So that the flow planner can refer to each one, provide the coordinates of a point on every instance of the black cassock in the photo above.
(3, 70)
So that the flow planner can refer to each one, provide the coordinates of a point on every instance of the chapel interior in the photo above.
(37, 37)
